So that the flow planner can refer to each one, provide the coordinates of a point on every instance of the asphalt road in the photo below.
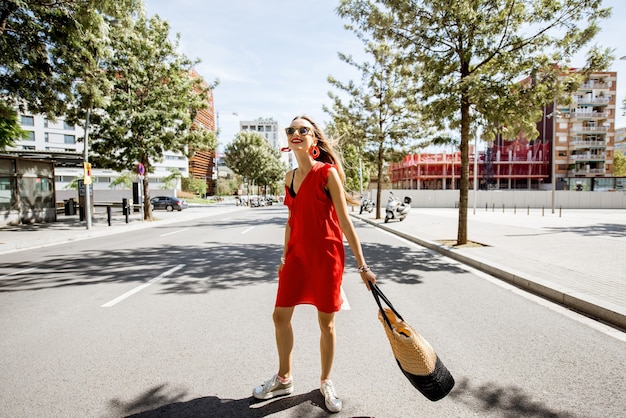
(175, 320)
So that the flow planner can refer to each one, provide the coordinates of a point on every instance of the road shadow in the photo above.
(209, 267)
(600, 230)
(502, 401)
(159, 402)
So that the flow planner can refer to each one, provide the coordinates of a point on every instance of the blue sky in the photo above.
(273, 57)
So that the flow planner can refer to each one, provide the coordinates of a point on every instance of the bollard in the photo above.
(493, 207)
(109, 215)
(125, 208)
(560, 210)
(503, 208)
(528, 210)
(542, 210)
(514, 209)
(486, 207)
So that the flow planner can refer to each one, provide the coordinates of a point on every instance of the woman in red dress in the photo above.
(312, 264)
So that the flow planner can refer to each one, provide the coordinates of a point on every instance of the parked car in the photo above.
(168, 203)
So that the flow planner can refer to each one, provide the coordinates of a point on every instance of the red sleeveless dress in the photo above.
(315, 257)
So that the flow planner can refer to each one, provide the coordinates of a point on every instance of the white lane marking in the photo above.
(18, 272)
(174, 232)
(248, 230)
(345, 306)
(143, 286)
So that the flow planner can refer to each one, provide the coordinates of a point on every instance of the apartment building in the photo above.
(58, 140)
(273, 133)
(578, 139)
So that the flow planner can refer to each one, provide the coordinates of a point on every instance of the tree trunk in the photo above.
(147, 211)
(464, 189)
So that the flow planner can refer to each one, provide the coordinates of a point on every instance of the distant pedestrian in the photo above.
(313, 260)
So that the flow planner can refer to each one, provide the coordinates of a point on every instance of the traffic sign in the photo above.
(141, 169)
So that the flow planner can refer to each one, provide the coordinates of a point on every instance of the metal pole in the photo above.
(86, 160)
(553, 153)
(475, 170)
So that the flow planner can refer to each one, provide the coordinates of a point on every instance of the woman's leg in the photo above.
(327, 342)
(284, 339)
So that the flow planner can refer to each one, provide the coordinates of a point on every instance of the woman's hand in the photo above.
(368, 278)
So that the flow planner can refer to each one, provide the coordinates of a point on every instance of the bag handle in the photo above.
(378, 295)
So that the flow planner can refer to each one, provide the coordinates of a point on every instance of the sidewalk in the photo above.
(576, 258)
(70, 228)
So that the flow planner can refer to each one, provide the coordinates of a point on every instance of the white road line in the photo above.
(174, 232)
(143, 286)
(17, 272)
(345, 306)
(248, 230)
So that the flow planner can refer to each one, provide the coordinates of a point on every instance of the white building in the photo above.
(57, 136)
(273, 133)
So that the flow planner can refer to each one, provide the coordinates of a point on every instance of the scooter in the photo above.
(396, 209)
(367, 205)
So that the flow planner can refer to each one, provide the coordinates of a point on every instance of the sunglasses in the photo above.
(302, 131)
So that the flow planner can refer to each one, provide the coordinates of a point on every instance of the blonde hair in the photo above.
(328, 154)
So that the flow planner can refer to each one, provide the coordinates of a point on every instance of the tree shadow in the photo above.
(600, 230)
(506, 402)
(207, 267)
(159, 402)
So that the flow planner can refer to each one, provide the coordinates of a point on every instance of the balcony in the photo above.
(590, 129)
(598, 101)
(589, 115)
(594, 86)
(587, 144)
(586, 172)
(586, 157)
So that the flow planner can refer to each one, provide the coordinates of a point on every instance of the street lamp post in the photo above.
(86, 161)
(217, 147)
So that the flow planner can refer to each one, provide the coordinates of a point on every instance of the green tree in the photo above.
(619, 164)
(470, 57)
(155, 97)
(10, 128)
(195, 186)
(39, 41)
(250, 156)
(125, 179)
(382, 115)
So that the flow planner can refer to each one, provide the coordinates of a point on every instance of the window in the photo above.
(69, 139)
(45, 122)
(28, 121)
(46, 136)
(67, 126)
(30, 136)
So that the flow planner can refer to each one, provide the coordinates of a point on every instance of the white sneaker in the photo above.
(333, 403)
(272, 388)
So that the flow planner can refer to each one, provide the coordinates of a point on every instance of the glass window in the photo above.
(28, 121)
(67, 126)
(69, 139)
(30, 136)
(46, 136)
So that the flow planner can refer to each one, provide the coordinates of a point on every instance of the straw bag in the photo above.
(416, 358)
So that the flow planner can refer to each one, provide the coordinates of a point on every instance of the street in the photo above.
(175, 320)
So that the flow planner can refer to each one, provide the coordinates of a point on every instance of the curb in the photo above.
(589, 306)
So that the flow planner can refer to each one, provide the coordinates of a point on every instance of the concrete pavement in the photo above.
(576, 258)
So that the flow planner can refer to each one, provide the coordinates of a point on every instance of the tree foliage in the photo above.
(250, 156)
(471, 56)
(619, 164)
(381, 116)
(154, 97)
(39, 46)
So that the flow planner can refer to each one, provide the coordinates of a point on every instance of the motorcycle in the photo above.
(396, 209)
(367, 205)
